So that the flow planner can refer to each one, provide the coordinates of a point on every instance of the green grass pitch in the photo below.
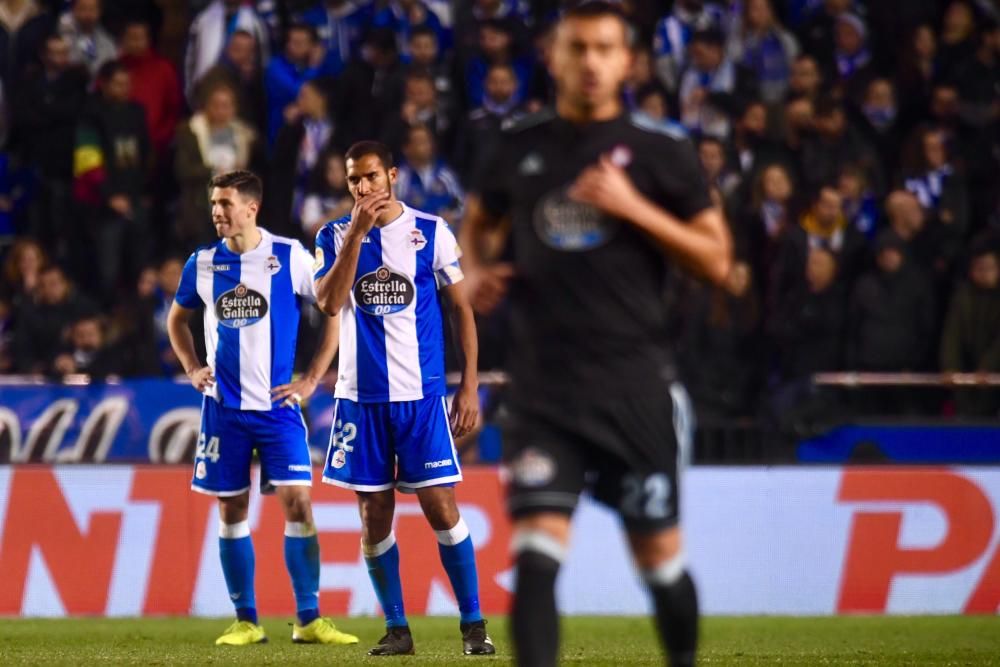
(948, 640)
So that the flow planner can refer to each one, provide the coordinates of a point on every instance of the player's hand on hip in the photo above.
(295, 392)
(201, 378)
(367, 209)
(487, 286)
(606, 186)
(464, 411)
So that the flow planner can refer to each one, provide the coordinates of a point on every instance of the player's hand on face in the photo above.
(606, 186)
(464, 411)
(367, 210)
(201, 378)
(487, 286)
(295, 392)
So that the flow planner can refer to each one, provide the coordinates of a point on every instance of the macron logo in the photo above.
(443, 463)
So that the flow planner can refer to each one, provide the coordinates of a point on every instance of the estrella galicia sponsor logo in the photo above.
(240, 307)
(571, 226)
(383, 292)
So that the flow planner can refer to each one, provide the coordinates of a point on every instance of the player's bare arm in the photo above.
(183, 343)
(301, 389)
(701, 244)
(465, 407)
(485, 283)
(332, 290)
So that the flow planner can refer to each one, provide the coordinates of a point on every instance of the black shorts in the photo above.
(624, 451)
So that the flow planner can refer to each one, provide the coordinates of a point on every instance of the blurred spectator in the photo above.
(641, 77)
(470, 16)
(424, 181)
(211, 30)
(751, 148)
(822, 226)
(239, 70)
(302, 61)
(496, 47)
(327, 197)
(761, 44)
(957, 37)
(970, 342)
(308, 133)
(46, 110)
(651, 104)
(916, 70)
(878, 121)
(941, 191)
(761, 227)
(806, 79)
(425, 54)
(673, 34)
(816, 34)
(807, 332)
(482, 125)
(42, 323)
(22, 268)
(341, 25)
(213, 141)
(718, 174)
(860, 207)
(87, 351)
(90, 44)
(119, 223)
(712, 87)
(978, 79)
(420, 107)
(851, 55)
(156, 292)
(720, 359)
(24, 25)
(373, 83)
(891, 314)
(834, 144)
(154, 85)
(404, 16)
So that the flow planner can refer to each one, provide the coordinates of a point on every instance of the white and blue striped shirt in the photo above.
(252, 304)
(391, 329)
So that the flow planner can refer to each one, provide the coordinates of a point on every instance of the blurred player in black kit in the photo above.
(594, 205)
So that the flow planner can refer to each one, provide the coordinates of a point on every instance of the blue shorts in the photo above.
(378, 446)
(227, 441)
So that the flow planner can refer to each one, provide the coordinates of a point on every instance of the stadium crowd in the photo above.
(854, 146)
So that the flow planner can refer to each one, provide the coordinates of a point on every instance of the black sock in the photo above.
(534, 617)
(677, 619)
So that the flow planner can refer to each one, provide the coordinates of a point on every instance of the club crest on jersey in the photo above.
(571, 226)
(339, 459)
(273, 265)
(318, 264)
(240, 307)
(417, 239)
(621, 156)
(384, 292)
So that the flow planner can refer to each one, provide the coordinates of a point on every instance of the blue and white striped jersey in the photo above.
(391, 329)
(252, 304)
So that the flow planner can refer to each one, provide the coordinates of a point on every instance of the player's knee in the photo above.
(439, 507)
(376, 515)
(534, 546)
(233, 509)
(297, 508)
(659, 555)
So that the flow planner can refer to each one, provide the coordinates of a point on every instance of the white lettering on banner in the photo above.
(10, 428)
(174, 436)
(760, 541)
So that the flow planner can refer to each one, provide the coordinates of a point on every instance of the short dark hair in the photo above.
(108, 70)
(711, 36)
(243, 181)
(376, 148)
(588, 9)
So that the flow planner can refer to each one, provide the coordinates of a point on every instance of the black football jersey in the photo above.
(587, 308)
